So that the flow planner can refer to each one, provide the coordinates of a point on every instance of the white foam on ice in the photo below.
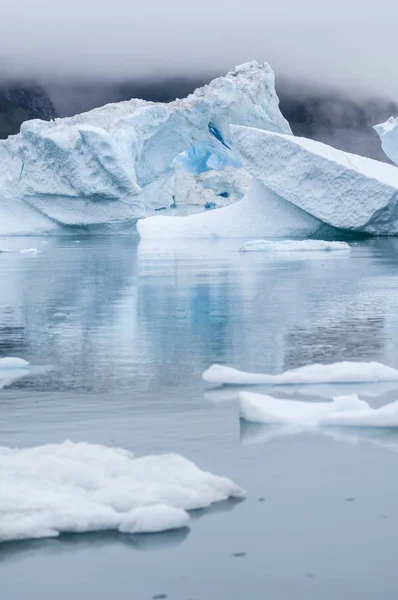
(80, 487)
(388, 133)
(340, 372)
(340, 189)
(344, 411)
(294, 246)
(260, 213)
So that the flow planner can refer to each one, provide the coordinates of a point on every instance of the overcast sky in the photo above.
(350, 43)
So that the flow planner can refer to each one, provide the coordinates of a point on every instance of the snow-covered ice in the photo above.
(340, 372)
(340, 189)
(344, 411)
(388, 133)
(294, 246)
(107, 166)
(259, 213)
(80, 487)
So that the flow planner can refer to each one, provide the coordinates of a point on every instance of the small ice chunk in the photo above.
(152, 519)
(12, 362)
(4, 250)
(340, 372)
(80, 487)
(347, 411)
(294, 246)
(30, 251)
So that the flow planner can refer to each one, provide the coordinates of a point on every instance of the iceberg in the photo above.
(110, 165)
(342, 190)
(294, 246)
(80, 487)
(388, 134)
(340, 372)
(343, 411)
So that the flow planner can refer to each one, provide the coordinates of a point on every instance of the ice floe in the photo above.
(294, 246)
(80, 487)
(343, 411)
(340, 372)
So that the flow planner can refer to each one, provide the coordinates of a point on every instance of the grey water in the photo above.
(118, 333)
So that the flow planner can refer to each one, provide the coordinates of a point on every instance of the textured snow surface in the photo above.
(80, 487)
(106, 166)
(347, 411)
(340, 372)
(12, 369)
(388, 133)
(260, 213)
(340, 189)
(294, 246)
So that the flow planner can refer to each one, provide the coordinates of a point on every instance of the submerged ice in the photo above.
(80, 487)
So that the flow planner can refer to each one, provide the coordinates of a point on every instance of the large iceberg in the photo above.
(80, 487)
(388, 133)
(342, 190)
(110, 165)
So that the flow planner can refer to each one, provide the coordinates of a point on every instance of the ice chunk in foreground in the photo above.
(348, 411)
(106, 166)
(294, 246)
(388, 133)
(340, 372)
(343, 190)
(261, 212)
(79, 487)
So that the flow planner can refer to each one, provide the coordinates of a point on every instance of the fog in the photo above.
(345, 43)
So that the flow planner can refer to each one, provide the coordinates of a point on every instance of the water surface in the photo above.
(118, 333)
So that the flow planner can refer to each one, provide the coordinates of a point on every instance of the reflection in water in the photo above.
(76, 541)
(256, 433)
(114, 313)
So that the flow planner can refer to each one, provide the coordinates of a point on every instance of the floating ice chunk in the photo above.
(261, 408)
(261, 212)
(343, 190)
(388, 133)
(152, 519)
(12, 369)
(12, 362)
(340, 372)
(347, 411)
(294, 246)
(79, 487)
(30, 251)
(3, 250)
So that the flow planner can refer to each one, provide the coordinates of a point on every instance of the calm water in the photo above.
(119, 332)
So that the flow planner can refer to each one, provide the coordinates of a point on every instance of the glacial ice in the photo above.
(388, 133)
(80, 487)
(294, 246)
(110, 165)
(259, 213)
(343, 190)
(340, 372)
(344, 411)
